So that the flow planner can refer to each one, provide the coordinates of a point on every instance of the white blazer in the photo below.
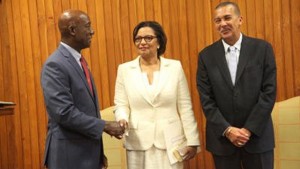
(147, 118)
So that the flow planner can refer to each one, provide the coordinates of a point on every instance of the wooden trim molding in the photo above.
(6, 108)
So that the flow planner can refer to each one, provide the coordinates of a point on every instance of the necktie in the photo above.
(86, 72)
(232, 62)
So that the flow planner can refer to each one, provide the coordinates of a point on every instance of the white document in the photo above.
(175, 141)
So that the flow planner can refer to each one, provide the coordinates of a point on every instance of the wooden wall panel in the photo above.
(286, 47)
(2, 24)
(29, 33)
(7, 129)
(295, 44)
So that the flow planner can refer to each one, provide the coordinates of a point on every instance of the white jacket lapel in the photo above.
(138, 82)
(163, 76)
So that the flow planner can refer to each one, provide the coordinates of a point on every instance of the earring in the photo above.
(157, 47)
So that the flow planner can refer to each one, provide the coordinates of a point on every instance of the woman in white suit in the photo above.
(152, 100)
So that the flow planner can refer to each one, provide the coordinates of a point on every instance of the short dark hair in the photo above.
(159, 33)
(236, 7)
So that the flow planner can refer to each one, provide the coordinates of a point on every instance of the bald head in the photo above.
(75, 28)
(68, 20)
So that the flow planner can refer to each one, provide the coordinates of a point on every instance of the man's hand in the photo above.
(105, 163)
(113, 128)
(247, 132)
(238, 137)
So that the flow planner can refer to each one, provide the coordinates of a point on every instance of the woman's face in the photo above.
(146, 42)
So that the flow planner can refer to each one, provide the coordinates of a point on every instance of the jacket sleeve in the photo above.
(60, 103)
(211, 111)
(121, 98)
(185, 110)
(261, 112)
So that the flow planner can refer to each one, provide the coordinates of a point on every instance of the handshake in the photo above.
(116, 129)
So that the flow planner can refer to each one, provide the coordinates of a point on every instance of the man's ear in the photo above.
(72, 29)
(241, 20)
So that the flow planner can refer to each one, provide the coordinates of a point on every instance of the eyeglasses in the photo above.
(147, 39)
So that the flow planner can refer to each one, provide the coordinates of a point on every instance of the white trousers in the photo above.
(152, 158)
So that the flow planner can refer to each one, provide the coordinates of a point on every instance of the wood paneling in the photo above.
(29, 33)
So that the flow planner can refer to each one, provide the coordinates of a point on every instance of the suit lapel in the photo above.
(82, 76)
(243, 58)
(141, 87)
(163, 76)
(219, 56)
(137, 80)
(76, 66)
(95, 97)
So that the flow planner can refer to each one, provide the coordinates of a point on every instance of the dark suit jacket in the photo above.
(248, 104)
(74, 138)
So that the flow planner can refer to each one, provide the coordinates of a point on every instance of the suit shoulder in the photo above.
(55, 56)
(171, 62)
(212, 46)
(55, 60)
(127, 64)
(51, 59)
(132, 64)
(257, 41)
(208, 50)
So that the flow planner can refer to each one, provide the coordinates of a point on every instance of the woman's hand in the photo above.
(123, 123)
(190, 152)
(105, 163)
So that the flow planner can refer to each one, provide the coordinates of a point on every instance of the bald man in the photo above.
(74, 138)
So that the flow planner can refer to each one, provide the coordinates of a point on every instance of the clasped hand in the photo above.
(114, 128)
(238, 136)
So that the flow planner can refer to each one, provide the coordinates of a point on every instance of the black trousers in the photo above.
(241, 159)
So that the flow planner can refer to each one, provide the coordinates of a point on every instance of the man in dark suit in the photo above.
(74, 138)
(236, 80)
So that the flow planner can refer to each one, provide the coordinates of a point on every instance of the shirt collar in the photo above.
(74, 53)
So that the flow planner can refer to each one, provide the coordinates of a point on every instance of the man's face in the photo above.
(228, 23)
(83, 31)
